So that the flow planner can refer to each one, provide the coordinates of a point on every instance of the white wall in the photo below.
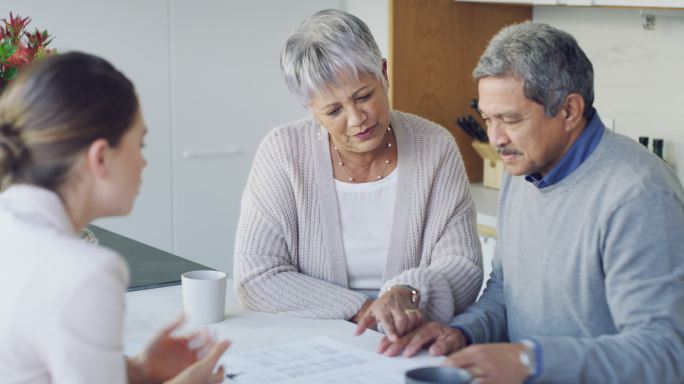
(209, 81)
(639, 74)
(375, 14)
(133, 35)
(228, 92)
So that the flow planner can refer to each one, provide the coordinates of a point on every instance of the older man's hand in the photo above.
(491, 363)
(440, 339)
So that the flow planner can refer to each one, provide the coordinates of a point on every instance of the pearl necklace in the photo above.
(382, 172)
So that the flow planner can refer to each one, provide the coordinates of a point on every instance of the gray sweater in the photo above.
(289, 255)
(592, 268)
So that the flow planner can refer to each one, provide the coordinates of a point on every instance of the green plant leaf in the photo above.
(6, 50)
(10, 74)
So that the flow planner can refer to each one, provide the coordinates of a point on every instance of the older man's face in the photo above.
(526, 138)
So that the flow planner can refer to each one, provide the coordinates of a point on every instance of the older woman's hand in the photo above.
(394, 311)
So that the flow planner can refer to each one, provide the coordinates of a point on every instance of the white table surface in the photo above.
(149, 310)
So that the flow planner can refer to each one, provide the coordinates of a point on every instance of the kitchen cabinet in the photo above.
(588, 3)
(641, 3)
(527, 2)
(434, 46)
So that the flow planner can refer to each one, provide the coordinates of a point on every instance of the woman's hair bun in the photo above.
(11, 148)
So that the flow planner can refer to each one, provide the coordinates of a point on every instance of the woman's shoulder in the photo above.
(98, 270)
(286, 151)
(63, 262)
(90, 259)
(289, 142)
(291, 132)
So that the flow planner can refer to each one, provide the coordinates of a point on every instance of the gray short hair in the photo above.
(321, 48)
(548, 60)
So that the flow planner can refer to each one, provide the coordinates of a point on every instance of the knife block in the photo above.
(492, 167)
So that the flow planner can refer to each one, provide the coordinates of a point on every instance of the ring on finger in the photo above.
(476, 371)
(411, 310)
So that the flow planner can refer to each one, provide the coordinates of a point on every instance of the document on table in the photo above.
(318, 360)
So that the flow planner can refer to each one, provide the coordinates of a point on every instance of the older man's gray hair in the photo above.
(330, 44)
(548, 60)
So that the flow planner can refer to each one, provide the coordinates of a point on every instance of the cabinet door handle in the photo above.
(204, 153)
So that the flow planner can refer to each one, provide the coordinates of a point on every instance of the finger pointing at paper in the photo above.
(395, 311)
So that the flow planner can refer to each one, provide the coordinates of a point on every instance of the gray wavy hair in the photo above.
(330, 43)
(548, 60)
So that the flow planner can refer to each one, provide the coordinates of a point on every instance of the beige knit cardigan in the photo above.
(289, 255)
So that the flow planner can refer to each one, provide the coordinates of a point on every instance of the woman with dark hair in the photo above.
(71, 133)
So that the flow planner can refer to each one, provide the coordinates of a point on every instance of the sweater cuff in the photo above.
(436, 300)
(466, 333)
(561, 364)
(538, 361)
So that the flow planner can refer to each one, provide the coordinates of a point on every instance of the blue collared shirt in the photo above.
(579, 151)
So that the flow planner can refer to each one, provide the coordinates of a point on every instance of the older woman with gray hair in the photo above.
(357, 212)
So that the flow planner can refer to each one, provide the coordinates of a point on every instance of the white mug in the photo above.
(204, 296)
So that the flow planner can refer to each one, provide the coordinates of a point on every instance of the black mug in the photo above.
(437, 375)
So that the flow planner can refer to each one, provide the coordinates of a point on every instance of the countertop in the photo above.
(150, 267)
(486, 203)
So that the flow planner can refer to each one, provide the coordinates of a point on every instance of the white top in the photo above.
(62, 301)
(366, 213)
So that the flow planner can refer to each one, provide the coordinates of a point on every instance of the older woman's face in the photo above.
(355, 112)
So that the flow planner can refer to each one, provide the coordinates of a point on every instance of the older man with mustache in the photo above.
(588, 274)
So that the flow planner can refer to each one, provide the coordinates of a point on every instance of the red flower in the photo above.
(23, 55)
(15, 26)
(38, 39)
